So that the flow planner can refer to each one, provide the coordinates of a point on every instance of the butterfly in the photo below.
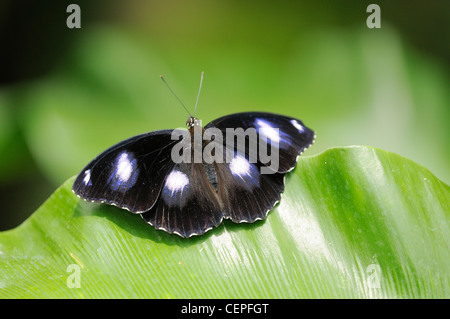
(191, 197)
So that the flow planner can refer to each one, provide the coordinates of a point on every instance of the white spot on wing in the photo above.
(240, 166)
(125, 172)
(124, 167)
(176, 181)
(298, 126)
(267, 130)
(87, 177)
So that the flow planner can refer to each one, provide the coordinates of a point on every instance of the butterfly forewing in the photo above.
(290, 134)
(130, 174)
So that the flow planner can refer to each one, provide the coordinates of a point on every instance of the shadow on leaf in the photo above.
(136, 226)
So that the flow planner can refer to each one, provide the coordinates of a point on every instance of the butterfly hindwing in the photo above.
(188, 204)
(246, 194)
(129, 174)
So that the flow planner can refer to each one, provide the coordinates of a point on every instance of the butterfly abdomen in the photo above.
(212, 175)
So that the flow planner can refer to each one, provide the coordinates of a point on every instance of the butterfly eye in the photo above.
(191, 122)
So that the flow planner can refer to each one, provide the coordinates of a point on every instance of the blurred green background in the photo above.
(68, 94)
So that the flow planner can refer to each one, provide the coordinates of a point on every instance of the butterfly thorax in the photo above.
(197, 145)
(196, 130)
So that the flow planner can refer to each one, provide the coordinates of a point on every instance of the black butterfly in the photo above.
(188, 199)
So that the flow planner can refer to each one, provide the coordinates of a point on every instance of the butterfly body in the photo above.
(215, 180)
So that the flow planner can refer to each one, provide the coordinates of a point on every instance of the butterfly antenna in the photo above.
(173, 93)
(199, 89)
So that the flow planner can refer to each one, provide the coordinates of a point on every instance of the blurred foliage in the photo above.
(316, 61)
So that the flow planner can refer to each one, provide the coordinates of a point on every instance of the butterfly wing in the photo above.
(293, 136)
(245, 193)
(129, 174)
(188, 204)
(188, 199)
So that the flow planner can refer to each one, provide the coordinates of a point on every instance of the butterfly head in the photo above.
(193, 121)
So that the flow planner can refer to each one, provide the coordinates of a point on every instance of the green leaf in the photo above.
(353, 222)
